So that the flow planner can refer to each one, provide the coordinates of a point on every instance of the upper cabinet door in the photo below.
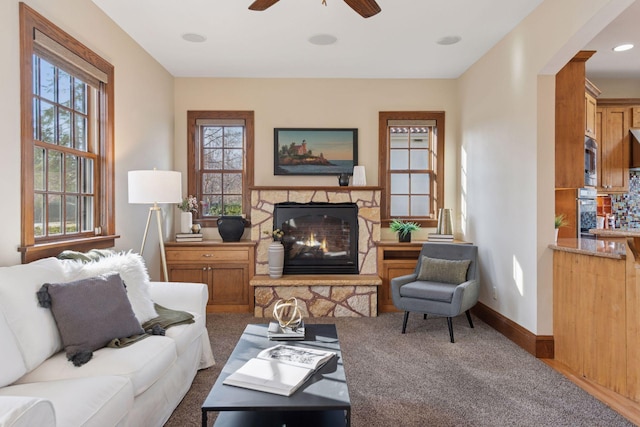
(613, 145)
(590, 118)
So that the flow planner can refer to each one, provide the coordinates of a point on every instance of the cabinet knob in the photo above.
(207, 255)
(204, 268)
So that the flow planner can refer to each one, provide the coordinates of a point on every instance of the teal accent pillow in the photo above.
(444, 270)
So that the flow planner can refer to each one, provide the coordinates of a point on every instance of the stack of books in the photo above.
(189, 237)
(278, 333)
(435, 237)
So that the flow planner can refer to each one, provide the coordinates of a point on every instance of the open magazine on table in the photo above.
(281, 369)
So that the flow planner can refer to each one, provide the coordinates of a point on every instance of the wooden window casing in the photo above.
(435, 170)
(39, 38)
(196, 164)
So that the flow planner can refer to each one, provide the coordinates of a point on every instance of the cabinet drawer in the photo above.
(207, 255)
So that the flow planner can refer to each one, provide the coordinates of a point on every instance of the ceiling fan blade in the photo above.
(366, 8)
(262, 4)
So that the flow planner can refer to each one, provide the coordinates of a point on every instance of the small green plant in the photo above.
(403, 227)
(561, 221)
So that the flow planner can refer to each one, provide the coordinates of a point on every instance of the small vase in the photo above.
(556, 235)
(186, 222)
(276, 260)
(231, 228)
(343, 179)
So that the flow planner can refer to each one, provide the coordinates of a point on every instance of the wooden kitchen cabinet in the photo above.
(612, 134)
(590, 105)
(589, 317)
(635, 117)
(571, 121)
(226, 269)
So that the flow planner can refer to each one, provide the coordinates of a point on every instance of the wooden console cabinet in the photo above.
(226, 268)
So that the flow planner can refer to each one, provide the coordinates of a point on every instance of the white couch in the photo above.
(137, 385)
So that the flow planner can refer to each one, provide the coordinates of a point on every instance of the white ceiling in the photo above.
(606, 63)
(399, 42)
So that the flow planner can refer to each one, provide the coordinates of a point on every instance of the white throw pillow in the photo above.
(133, 273)
(33, 327)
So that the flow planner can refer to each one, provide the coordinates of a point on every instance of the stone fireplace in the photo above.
(328, 294)
(319, 238)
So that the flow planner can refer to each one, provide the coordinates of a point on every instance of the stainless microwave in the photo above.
(590, 167)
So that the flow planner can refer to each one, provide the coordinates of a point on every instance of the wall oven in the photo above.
(590, 154)
(587, 212)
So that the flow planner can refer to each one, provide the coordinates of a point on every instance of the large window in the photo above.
(412, 165)
(220, 156)
(67, 148)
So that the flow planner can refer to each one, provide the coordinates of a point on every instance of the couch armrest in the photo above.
(184, 296)
(23, 411)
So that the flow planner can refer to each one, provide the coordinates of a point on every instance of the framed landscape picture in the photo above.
(311, 151)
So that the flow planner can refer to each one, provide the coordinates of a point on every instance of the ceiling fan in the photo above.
(366, 8)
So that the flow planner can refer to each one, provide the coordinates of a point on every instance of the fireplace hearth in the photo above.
(319, 238)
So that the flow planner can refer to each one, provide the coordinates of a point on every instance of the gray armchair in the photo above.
(445, 283)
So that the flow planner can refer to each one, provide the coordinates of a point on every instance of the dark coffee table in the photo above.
(322, 401)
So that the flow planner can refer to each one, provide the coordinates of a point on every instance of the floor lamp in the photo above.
(153, 187)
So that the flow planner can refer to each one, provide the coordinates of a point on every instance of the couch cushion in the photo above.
(184, 335)
(90, 313)
(24, 411)
(13, 366)
(33, 326)
(443, 270)
(133, 272)
(143, 363)
(96, 401)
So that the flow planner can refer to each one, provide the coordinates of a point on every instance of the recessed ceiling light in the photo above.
(447, 40)
(323, 39)
(193, 37)
(623, 47)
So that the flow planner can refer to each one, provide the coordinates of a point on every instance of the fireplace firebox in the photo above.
(319, 238)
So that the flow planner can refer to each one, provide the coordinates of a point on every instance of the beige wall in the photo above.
(618, 88)
(143, 116)
(507, 126)
(349, 103)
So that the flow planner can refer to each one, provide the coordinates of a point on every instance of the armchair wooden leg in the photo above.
(404, 322)
(469, 318)
(424, 316)
(450, 323)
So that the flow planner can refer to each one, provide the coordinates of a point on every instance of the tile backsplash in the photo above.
(626, 207)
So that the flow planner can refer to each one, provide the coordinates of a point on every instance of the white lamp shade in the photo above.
(155, 186)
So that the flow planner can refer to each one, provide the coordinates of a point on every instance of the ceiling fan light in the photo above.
(623, 47)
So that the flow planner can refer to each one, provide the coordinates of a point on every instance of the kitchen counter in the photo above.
(616, 232)
(601, 247)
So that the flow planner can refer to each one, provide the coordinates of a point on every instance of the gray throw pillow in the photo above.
(444, 270)
(89, 313)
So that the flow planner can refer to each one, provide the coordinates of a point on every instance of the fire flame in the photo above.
(313, 242)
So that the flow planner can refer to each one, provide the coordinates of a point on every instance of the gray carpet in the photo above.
(421, 379)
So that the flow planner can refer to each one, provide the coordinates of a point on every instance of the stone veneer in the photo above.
(322, 295)
(319, 295)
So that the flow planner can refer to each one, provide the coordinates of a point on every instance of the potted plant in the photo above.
(188, 205)
(559, 221)
(404, 229)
